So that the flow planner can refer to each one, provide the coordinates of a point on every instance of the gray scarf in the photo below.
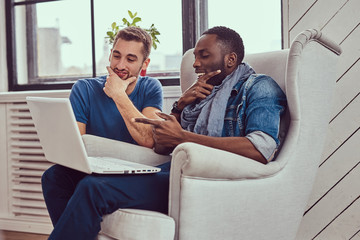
(207, 116)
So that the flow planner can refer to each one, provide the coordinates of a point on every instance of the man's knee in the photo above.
(60, 177)
(48, 176)
(90, 185)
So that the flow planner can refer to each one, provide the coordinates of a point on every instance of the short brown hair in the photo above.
(138, 35)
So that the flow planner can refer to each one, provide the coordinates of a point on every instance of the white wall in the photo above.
(3, 64)
(333, 210)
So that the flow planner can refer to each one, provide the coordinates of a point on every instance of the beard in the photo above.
(124, 74)
(217, 79)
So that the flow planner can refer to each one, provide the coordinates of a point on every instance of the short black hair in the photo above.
(230, 41)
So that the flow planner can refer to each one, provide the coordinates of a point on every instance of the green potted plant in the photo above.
(152, 30)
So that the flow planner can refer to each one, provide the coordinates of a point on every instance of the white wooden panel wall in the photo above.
(333, 210)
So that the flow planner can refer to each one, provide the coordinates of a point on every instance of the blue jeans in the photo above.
(76, 201)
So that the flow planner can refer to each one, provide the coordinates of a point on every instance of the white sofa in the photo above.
(220, 195)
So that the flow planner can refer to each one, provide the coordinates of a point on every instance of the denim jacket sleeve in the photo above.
(255, 105)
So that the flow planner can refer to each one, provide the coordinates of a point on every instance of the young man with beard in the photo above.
(104, 106)
(229, 107)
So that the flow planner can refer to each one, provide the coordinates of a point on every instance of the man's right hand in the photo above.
(114, 85)
(199, 90)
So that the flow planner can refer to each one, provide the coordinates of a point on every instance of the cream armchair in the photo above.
(219, 195)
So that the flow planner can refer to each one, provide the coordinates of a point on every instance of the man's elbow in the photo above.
(149, 143)
(160, 149)
(257, 156)
(261, 159)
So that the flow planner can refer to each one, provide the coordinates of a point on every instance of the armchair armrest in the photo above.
(202, 178)
(104, 147)
(195, 160)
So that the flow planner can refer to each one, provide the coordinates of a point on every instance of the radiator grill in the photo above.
(27, 163)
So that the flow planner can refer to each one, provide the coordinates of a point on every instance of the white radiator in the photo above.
(22, 162)
(27, 163)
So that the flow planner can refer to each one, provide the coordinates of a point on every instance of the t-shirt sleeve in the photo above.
(154, 94)
(79, 98)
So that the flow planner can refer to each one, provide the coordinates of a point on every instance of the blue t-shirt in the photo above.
(99, 112)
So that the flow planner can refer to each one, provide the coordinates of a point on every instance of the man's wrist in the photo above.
(120, 98)
(175, 108)
(181, 104)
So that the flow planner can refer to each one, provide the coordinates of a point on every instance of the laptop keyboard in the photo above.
(108, 164)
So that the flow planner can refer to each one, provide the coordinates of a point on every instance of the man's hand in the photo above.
(199, 90)
(114, 85)
(166, 131)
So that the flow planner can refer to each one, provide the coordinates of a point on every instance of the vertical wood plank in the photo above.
(342, 127)
(344, 226)
(343, 22)
(329, 207)
(285, 23)
(356, 236)
(347, 88)
(297, 9)
(335, 168)
(350, 54)
(337, 182)
(317, 16)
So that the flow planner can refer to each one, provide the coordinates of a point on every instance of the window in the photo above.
(258, 22)
(167, 19)
(52, 43)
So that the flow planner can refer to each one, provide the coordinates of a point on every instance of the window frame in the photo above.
(194, 22)
(189, 11)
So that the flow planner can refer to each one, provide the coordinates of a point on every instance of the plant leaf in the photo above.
(126, 22)
(130, 14)
(137, 19)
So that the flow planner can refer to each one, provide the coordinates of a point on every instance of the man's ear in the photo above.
(145, 64)
(231, 60)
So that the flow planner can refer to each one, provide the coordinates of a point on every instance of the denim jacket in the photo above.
(254, 105)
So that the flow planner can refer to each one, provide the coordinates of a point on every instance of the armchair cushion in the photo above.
(137, 224)
(104, 147)
(204, 162)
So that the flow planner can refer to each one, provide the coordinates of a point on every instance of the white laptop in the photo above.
(62, 143)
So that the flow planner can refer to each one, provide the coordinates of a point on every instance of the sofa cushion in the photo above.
(137, 224)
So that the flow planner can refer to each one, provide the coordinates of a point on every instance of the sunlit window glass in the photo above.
(258, 21)
(64, 38)
(54, 39)
(164, 14)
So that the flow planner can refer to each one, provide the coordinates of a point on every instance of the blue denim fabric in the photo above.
(77, 202)
(254, 105)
